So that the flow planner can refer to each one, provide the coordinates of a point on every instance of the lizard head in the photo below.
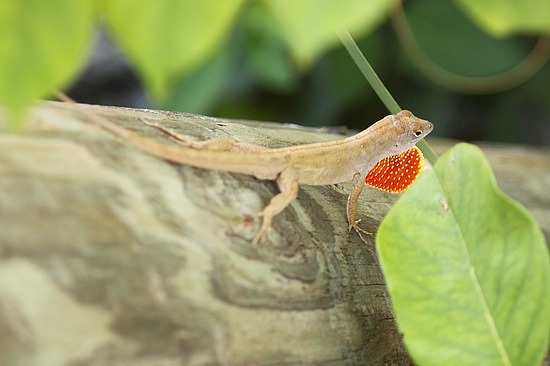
(410, 129)
(404, 162)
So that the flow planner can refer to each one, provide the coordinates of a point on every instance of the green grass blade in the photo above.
(369, 73)
(379, 87)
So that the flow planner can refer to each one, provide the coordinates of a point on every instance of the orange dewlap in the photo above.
(396, 173)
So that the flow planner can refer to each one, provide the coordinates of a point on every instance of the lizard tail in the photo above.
(103, 122)
(236, 162)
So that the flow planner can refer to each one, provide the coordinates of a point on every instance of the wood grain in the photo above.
(111, 256)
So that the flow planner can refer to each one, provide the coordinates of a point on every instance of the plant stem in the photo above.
(379, 87)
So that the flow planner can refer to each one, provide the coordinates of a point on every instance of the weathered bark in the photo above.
(111, 256)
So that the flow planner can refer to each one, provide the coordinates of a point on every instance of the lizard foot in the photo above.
(288, 185)
(355, 226)
(264, 228)
(359, 230)
(360, 233)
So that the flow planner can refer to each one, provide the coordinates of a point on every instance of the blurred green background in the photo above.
(252, 73)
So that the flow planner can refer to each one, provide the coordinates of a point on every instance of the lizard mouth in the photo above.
(428, 128)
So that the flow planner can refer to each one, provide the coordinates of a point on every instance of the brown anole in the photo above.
(324, 163)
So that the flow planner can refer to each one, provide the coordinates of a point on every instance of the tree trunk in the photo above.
(111, 256)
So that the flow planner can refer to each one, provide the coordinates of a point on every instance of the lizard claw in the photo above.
(256, 241)
(356, 227)
(353, 225)
(359, 230)
(264, 228)
(262, 233)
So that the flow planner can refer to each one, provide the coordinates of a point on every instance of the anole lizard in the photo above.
(392, 139)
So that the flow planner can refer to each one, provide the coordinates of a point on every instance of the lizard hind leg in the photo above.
(221, 144)
(287, 182)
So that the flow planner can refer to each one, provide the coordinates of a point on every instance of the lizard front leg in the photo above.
(287, 182)
(351, 209)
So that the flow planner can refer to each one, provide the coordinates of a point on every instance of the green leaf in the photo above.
(311, 26)
(266, 52)
(42, 44)
(503, 17)
(168, 38)
(467, 268)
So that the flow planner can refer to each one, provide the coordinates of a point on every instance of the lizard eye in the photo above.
(418, 133)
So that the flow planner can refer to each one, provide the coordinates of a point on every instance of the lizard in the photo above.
(389, 140)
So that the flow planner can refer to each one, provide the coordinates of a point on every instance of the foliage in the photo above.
(161, 44)
(470, 272)
(257, 48)
(310, 26)
(502, 17)
(470, 279)
(39, 49)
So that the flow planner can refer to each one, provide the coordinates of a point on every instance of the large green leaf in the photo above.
(467, 268)
(168, 38)
(42, 44)
(312, 26)
(502, 17)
